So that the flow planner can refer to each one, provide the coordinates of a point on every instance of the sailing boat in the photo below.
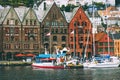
(102, 61)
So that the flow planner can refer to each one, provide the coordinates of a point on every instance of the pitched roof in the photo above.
(21, 12)
(115, 36)
(68, 16)
(41, 13)
(98, 36)
(3, 13)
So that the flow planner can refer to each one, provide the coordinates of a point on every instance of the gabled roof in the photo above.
(21, 12)
(41, 13)
(112, 8)
(115, 36)
(3, 13)
(67, 16)
(29, 11)
(99, 36)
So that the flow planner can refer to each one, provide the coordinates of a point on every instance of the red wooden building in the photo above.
(80, 34)
(104, 44)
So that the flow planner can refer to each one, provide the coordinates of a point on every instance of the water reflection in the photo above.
(27, 73)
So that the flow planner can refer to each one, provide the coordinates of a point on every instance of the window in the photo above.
(81, 38)
(6, 38)
(71, 46)
(16, 30)
(11, 22)
(71, 39)
(63, 38)
(46, 38)
(30, 22)
(7, 22)
(26, 30)
(111, 44)
(84, 23)
(16, 38)
(81, 45)
(100, 50)
(78, 24)
(7, 30)
(61, 30)
(56, 31)
(7, 46)
(12, 37)
(17, 46)
(35, 31)
(35, 46)
(54, 16)
(52, 30)
(54, 38)
(100, 44)
(34, 22)
(65, 30)
(26, 22)
(80, 17)
(47, 23)
(80, 31)
(26, 46)
(63, 45)
(16, 22)
(106, 43)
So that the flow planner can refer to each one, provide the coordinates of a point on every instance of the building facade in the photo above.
(80, 42)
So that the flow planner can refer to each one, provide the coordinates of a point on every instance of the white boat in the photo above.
(108, 63)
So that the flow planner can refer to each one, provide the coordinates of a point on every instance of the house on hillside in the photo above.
(104, 44)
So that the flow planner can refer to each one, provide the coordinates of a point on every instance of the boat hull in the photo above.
(39, 66)
(101, 65)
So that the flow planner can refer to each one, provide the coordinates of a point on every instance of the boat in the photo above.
(49, 62)
(73, 64)
(99, 62)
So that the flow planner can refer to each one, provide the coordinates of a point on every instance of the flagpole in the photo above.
(50, 43)
(50, 39)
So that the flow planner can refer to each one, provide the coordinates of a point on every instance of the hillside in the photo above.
(16, 3)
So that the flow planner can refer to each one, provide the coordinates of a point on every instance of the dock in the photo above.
(15, 63)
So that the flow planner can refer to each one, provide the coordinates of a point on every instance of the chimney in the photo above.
(44, 5)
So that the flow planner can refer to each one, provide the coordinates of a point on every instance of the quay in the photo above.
(15, 63)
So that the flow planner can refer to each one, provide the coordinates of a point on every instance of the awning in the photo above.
(30, 55)
(20, 55)
(43, 56)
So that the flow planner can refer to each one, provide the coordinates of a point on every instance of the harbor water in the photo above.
(27, 73)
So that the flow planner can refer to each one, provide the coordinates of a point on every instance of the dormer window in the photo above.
(30, 22)
(16, 22)
(26, 22)
(7, 22)
(11, 22)
(34, 22)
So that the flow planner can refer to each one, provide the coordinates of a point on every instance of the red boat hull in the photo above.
(48, 67)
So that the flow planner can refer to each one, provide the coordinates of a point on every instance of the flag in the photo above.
(72, 32)
(48, 34)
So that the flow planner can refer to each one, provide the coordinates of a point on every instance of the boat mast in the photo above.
(93, 28)
(107, 27)
(74, 36)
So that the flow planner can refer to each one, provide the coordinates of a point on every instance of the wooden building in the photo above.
(80, 42)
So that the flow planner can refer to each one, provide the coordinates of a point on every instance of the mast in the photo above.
(107, 31)
(93, 29)
(74, 38)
